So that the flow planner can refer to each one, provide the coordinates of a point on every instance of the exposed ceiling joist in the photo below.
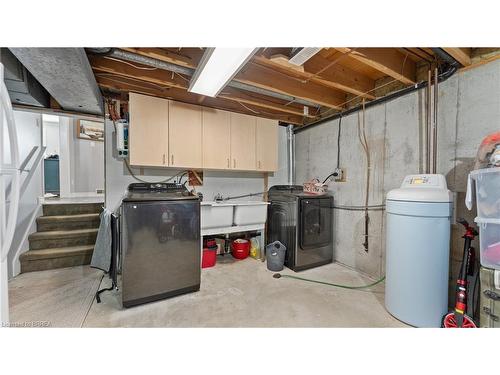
(462, 55)
(242, 97)
(258, 75)
(386, 60)
(106, 67)
(335, 76)
(125, 85)
(143, 73)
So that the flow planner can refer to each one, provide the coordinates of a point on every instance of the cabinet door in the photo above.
(242, 142)
(148, 130)
(185, 146)
(216, 139)
(267, 145)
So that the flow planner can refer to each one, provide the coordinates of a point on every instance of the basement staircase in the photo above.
(65, 237)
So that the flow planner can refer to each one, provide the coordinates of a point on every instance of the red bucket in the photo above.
(241, 248)
(209, 257)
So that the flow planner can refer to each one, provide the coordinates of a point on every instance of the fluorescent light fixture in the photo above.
(217, 67)
(303, 54)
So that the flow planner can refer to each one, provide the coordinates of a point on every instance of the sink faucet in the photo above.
(218, 197)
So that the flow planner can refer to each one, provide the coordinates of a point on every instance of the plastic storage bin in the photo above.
(489, 298)
(489, 240)
(487, 190)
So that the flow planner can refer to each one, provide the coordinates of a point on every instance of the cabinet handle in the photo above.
(172, 159)
(163, 159)
(234, 163)
(259, 164)
(228, 165)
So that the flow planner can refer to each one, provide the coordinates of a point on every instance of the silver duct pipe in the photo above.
(134, 57)
(149, 61)
(290, 138)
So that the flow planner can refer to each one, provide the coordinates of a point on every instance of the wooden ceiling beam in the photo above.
(264, 77)
(462, 55)
(242, 97)
(389, 61)
(103, 67)
(125, 85)
(124, 69)
(337, 76)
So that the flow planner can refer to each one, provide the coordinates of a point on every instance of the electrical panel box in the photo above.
(122, 138)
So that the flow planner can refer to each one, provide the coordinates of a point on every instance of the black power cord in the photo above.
(338, 141)
(335, 174)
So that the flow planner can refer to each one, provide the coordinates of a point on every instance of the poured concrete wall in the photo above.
(469, 109)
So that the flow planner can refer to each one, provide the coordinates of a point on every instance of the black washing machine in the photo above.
(303, 223)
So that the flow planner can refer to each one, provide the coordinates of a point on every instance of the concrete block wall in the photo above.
(468, 110)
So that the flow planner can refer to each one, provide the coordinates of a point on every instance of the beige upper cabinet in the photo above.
(166, 133)
(216, 139)
(148, 130)
(266, 145)
(242, 141)
(185, 134)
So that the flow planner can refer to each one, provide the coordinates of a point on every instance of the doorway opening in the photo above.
(73, 165)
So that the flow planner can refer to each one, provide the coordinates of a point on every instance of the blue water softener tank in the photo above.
(418, 249)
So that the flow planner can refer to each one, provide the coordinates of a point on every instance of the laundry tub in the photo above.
(250, 213)
(216, 215)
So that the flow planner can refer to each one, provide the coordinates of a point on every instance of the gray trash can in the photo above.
(275, 254)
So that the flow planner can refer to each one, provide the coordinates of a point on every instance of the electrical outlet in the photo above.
(338, 174)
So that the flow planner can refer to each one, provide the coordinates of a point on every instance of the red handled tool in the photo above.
(458, 318)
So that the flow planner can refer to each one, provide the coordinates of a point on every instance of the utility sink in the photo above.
(247, 213)
(216, 215)
(232, 213)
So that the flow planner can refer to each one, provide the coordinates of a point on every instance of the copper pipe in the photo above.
(428, 124)
(434, 137)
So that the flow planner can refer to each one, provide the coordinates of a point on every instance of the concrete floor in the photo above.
(233, 294)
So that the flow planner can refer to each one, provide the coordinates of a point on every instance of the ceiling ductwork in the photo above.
(23, 88)
(66, 74)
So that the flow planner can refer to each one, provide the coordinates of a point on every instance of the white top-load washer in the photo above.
(417, 250)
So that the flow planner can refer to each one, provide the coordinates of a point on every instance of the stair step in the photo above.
(62, 238)
(46, 259)
(67, 222)
(57, 209)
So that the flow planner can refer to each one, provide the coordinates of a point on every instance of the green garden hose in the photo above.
(278, 275)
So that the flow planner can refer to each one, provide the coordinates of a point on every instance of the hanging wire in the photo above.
(244, 106)
(129, 63)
